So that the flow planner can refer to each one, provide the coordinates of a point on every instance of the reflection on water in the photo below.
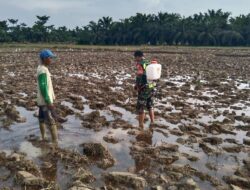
(126, 115)
(73, 134)
(12, 139)
(29, 150)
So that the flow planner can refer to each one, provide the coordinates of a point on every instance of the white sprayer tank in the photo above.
(153, 71)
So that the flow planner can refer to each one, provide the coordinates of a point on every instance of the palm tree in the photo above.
(105, 25)
(4, 31)
(95, 30)
(40, 31)
(241, 24)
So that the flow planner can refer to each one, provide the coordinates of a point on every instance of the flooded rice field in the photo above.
(200, 140)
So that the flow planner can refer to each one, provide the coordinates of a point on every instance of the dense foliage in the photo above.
(211, 28)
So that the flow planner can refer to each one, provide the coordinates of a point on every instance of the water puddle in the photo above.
(242, 85)
(126, 115)
(82, 76)
(31, 151)
(74, 133)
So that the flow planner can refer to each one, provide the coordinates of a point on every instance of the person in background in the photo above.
(46, 97)
(144, 89)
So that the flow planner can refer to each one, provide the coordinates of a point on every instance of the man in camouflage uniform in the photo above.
(145, 89)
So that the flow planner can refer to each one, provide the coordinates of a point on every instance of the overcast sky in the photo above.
(73, 13)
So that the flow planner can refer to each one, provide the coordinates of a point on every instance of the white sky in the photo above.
(73, 13)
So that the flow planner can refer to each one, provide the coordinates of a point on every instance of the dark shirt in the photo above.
(141, 77)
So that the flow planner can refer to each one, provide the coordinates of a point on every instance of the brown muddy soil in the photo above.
(200, 139)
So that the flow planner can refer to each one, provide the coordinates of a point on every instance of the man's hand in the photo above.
(51, 106)
(135, 87)
(59, 119)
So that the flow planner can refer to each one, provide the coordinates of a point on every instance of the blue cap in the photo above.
(46, 53)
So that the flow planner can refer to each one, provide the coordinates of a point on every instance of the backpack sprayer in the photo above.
(153, 73)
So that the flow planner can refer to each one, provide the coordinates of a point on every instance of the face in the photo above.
(47, 61)
(138, 59)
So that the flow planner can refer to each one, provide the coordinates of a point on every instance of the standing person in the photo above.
(145, 90)
(46, 96)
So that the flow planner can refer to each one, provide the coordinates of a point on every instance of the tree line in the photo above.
(212, 28)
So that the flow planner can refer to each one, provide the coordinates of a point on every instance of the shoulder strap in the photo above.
(145, 63)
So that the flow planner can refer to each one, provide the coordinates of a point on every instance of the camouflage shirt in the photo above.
(141, 77)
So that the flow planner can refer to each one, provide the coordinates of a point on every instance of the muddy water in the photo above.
(197, 96)
(73, 134)
(70, 137)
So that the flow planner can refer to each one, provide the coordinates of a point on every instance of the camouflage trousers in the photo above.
(145, 100)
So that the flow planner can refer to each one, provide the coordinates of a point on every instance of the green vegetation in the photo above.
(214, 28)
